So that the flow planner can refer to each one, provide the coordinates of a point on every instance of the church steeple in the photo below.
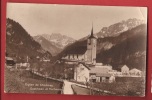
(91, 48)
(92, 35)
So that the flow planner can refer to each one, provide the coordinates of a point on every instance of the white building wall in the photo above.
(75, 57)
(81, 57)
(81, 73)
(125, 69)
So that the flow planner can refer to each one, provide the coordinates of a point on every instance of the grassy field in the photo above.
(124, 86)
(80, 90)
(25, 82)
(21, 81)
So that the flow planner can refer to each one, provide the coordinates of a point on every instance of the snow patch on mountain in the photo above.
(61, 41)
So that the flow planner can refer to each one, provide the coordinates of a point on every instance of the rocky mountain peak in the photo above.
(59, 39)
(117, 28)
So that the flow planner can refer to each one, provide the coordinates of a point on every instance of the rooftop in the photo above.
(98, 70)
(77, 50)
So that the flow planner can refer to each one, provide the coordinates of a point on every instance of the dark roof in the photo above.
(100, 71)
(84, 65)
(103, 74)
(92, 36)
(77, 50)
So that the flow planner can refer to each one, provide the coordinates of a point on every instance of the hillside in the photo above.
(19, 44)
(127, 48)
(47, 45)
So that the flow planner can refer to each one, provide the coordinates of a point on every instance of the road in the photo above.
(67, 89)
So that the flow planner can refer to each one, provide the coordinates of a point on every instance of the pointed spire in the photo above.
(92, 36)
(92, 30)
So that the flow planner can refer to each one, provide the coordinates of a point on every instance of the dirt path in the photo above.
(67, 89)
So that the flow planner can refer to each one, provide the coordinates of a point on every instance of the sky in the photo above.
(72, 20)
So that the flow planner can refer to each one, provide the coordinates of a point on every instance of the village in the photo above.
(83, 66)
(87, 69)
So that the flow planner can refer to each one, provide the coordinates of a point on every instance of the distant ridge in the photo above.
(129, 47)
(48, 45)
(19, 44)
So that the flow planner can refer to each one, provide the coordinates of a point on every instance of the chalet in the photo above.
(115, 73)
(100, 65)
(45, 59)
(9, 62)
(124, 69)
(86, 53)
(23, 66)
(81, 73)
(85, 73)
(135, 72)
(99, 74)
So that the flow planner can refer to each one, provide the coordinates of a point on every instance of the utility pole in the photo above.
(46, 76)
(90, 87)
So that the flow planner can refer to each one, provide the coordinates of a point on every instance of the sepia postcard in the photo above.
(75, 49)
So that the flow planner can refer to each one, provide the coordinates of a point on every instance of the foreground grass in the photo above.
(80, 90)
(124, 86)
(13, 84)
(25, 82)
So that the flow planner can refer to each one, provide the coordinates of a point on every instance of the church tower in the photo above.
(91, 48)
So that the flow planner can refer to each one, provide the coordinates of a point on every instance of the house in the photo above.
(124, 69)
(115, 73)
(45, 59)
(112, 79)
(85, 73)
(100, 74)
(83, 53)
(9, 62)
(23, 66)
(81, 73)
(135, 72)
(100, 65)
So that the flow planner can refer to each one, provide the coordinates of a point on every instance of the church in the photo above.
(84, 59)
(85, 54)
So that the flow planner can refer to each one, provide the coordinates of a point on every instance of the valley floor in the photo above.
(18, 81)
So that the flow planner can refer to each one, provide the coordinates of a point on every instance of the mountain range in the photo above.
(128, 47)
(61, 41)
(120, 27)
(119, 44)
(54, 43)
(117, 28)
(48, 45)
(19, 44)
